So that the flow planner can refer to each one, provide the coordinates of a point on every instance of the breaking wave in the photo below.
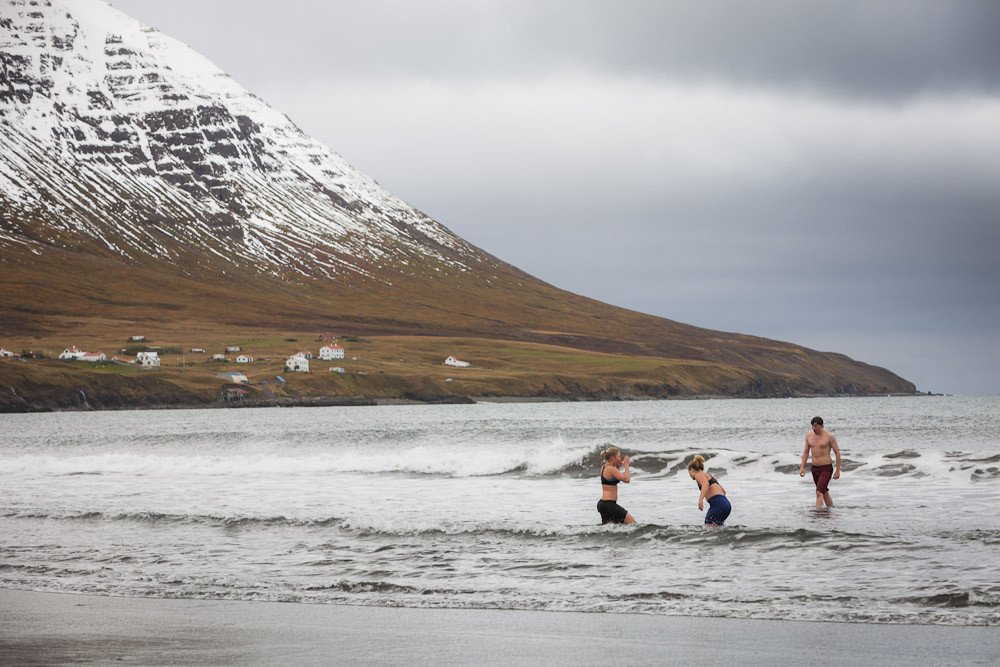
(556, 459)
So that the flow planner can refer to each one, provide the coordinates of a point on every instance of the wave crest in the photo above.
(553, 459)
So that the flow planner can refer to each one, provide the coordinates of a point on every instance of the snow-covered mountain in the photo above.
(139, 183)
(119, 138)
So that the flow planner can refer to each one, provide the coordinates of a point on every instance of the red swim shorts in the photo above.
(821, 476)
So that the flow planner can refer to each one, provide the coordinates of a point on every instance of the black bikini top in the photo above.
(605, 480)
(711, 481)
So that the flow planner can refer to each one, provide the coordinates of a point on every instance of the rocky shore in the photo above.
(101, 392)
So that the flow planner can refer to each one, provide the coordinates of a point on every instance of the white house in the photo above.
(4, 352)
(452, 361)
(244, 359)
(305, 353)
(328, 352)
(297, 363)
(218, 357)
(71, 352)
(197, 350)
(233, 348)
(148, 359)
(336, 369)
(92, 356)
(138, 338)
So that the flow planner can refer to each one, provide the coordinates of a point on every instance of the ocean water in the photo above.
(493, 505)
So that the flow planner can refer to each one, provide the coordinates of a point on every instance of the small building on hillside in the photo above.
(233, 348)
(93, 356)
(197, 350)
(122, 359)
(138, 339)
(297, 364)
(235, 378)
(333, 351)
(234, 393)
(148, 359)
(452, 361)
(71, 352)
(244, 359)
(218, 357)
(4, 352)
(305, 353)
(336, 369)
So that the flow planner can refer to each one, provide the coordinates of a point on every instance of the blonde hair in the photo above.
(698, 462)
(610, 453)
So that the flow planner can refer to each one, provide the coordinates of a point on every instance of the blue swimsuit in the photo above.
(718, 506)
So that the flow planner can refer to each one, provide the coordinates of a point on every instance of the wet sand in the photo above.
(53, 629)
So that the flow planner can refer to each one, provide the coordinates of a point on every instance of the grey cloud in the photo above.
(892, 48)
(823, 173)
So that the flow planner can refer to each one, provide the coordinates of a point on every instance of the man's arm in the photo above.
(836, 450)
(805, 457)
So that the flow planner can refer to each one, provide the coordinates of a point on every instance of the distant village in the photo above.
(150, 358)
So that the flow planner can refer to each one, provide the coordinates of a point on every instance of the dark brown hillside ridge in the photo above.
(142, 190)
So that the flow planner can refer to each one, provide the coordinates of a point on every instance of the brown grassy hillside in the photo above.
(526, 338)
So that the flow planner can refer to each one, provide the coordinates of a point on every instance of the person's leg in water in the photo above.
(824, 498)
(718, 511)
(821, 476)
(612, 512)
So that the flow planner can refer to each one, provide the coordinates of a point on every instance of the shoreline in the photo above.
(58, 628)
(454, 399)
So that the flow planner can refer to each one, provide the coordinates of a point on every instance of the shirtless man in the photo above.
(820, 442)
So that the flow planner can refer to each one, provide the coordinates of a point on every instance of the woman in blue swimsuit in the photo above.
(611, 511)
(719, 507)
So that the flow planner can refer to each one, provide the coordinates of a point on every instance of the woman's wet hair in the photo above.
(610, 453)
(698, 462)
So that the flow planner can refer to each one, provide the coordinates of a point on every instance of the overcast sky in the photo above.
(826, 173)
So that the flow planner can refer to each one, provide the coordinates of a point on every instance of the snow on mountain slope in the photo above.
(117, 139)
(129, 161)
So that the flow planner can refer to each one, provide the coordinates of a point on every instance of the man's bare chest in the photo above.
(819, 445)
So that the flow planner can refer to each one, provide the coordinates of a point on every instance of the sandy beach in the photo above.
(51, 629)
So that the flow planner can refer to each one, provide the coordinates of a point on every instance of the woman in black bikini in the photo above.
(611, 511)
(712, 491)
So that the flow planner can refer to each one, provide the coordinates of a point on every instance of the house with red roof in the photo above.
(333, 351)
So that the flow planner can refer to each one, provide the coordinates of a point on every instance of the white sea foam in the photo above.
(555, 458)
